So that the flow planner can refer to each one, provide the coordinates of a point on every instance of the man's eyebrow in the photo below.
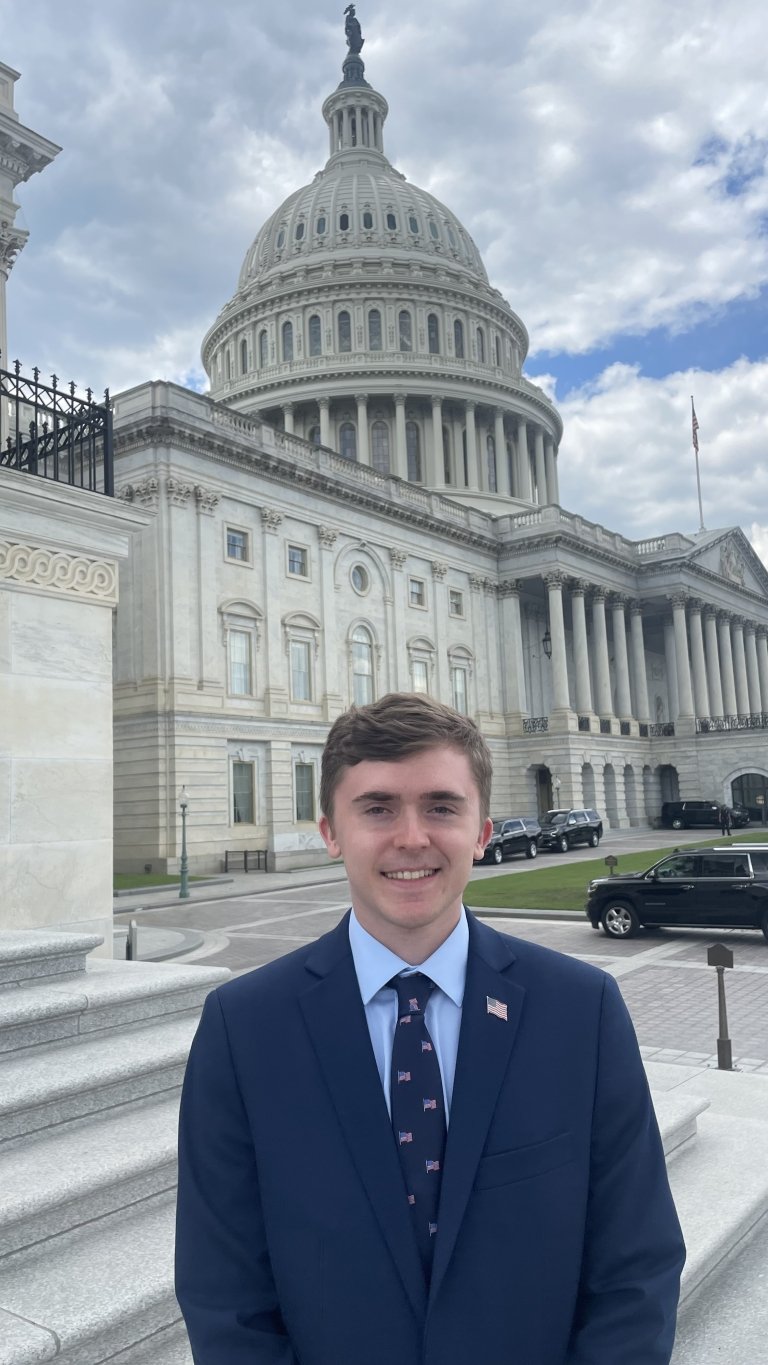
(382, 797)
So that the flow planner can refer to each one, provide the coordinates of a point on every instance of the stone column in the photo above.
(400, 680)
(523, 464)
(698, 665)
(457, 431)
(401, 447)
(550, 461)
(515, 701)
(639, 675)
(603, 699)
(581, 648)
(325, 422)
(684, 688)
(740, 666)
(276, 691)
(363, 449)
(502, 467)
(762, 664)
(670, 657)
(560, 698)
(332, 700)
(288, 411)
(541, 473)
(438, 452)
(473, 468)
(753, 672)
(713, 663)
(623, 695)
(726, 663)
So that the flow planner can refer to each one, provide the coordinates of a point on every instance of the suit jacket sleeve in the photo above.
(224, 1280)
(634, 1251)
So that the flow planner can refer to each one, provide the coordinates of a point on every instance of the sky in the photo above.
(610, 159)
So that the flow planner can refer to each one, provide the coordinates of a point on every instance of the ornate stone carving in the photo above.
(731, 565)
(439, 569)
(510, 587)
(76, 574)
(145, 493)
(398, 558)
(599, 594)
(12, 240)
(270, 520)
(327, 537)
(555, 579)
(678, 599)
(207, 500)
(178, 493)
(475, 583)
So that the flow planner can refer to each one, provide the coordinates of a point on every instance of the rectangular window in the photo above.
(420, 674)
(242, 793)
(455, 602)
(305, 791)
(417, 592)
(239, 646)
(301, 683)
(298, 561)
(459, 690)
(237, 545)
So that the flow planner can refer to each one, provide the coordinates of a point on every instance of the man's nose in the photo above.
(411, 831)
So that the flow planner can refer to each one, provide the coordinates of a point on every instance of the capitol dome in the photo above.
(364, 322)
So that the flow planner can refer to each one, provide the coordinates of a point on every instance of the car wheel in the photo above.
(764, 924)
(532, 849)
(677, 823)
(497, 854)
(563, 844)
(619, 920)
(594, 839)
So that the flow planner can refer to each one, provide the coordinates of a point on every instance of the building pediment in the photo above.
(729, 555)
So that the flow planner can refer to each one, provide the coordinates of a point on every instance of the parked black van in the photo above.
(692, 814)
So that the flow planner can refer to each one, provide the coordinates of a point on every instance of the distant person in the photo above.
(418, 1141)
(726, 820)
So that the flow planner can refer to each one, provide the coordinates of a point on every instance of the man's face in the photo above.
(408, 832)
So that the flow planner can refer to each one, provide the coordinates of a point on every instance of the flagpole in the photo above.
(695, 434)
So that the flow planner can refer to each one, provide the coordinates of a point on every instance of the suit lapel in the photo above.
(335, 1017)
(485, 1047)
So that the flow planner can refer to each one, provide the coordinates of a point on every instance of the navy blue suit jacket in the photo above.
(558, 1242)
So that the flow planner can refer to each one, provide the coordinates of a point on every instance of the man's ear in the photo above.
(324, 825)
(483, 837)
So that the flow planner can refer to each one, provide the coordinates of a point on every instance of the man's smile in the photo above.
(416, 874)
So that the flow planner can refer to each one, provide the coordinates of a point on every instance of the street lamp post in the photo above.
(184, 865)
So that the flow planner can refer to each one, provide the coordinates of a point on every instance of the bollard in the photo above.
(720, 957)
(131, 942)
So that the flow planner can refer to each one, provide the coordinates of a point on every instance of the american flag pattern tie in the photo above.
(418, 1108)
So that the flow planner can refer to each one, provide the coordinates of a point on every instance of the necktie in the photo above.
(418, 1109)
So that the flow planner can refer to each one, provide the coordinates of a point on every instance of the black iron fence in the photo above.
(49, 431)
(708, 725)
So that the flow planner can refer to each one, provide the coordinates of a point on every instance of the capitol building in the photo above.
(368, 501)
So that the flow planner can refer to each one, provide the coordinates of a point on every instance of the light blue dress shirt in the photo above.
(375, 965)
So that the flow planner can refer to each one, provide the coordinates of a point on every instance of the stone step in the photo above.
(44, 1087)
(168, 1347)
(28, 955)
(55, 1182)
(94, 1292)
(107, 995)
(678, 1115)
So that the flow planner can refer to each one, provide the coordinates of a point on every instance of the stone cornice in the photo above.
(68, 575)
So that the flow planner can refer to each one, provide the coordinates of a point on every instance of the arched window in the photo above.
(299, 231)
(315, 335)
(481, 345)
(320, 225)
(405, 328)
(380, 447)
(313, 435)
(262, 348)
(510, 464)
(374, 330)
(497, 347)
(465, 461)
(227, 365)
(287, 341)
(345, 331)
(447, 463)
(458, 338)
(243, 356)
(362, 666)
(413, 223)
(367, 220)
(348, 441)
(391, 222)
(433, 334)
(433, 230)
(490, 447)
(413, 451)
(343, 222)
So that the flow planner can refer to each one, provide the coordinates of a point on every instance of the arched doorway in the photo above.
(543, 790)
(630, 795)
(611, 795)
(589, 795)
(669, 782)
(751, 790)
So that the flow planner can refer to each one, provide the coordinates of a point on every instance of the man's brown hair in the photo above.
(396, 726)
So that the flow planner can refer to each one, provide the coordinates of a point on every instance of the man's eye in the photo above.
(443, 810)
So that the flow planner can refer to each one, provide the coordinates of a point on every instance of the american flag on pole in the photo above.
(694, 427)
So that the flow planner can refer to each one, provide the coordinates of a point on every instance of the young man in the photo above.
(418, 1140)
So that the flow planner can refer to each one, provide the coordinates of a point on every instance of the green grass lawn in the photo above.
(563, 886)
(125, 881)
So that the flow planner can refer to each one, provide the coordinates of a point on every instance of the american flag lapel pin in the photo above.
(496, 1008)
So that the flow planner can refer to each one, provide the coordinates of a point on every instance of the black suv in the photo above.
(516, 835)
(694, 814)
(706, 887)
(561, 829)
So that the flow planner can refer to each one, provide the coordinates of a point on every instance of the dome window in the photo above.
(433, 232)
(315, 335)
(413, 452)
(380, 447)
(490, 447)
(262, 349)
(451, 235)
(299, 232)
(447, 471)
(287, 341)
(392, 222)
(413, 224)
(321, 225)
(405, 329)
(481, 345)
(433, 334)
(497, 349)
(313, 435)
(343, 222)
(374, 330)
(243, 356)
(280, 239)
(458, 338)
(348, 441)
(368, 219)
(345, 331)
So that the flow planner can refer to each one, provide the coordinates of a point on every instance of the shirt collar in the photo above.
(375, 964)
